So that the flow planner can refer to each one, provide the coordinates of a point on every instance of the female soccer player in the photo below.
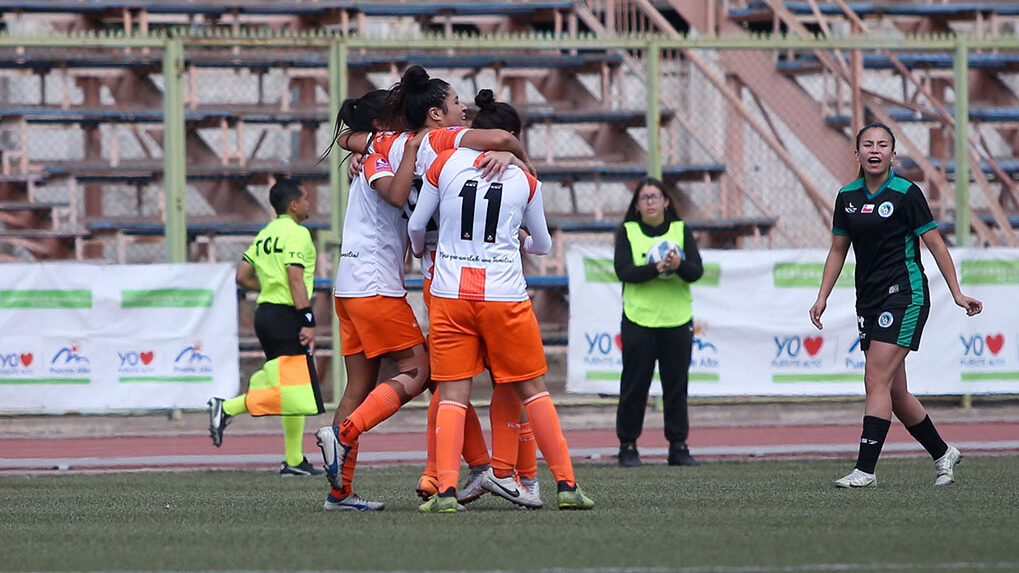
(882, 215)
(479, 302)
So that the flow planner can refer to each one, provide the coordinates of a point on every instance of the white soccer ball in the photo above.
(660, 250)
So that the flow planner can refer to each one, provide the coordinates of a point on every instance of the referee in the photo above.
(280, 265)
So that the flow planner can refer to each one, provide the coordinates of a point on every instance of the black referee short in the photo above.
(278, 327)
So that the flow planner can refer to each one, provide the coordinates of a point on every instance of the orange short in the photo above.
(465, 335)
(376, 325)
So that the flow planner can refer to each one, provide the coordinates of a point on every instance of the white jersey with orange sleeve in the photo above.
(434, 143)
(478, 254)
(374, 232)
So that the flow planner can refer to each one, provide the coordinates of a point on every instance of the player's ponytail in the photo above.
(414, 95)
(495, 115)
(358, 114)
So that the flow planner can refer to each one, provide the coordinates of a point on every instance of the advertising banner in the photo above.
(753, 334)
(78, 337)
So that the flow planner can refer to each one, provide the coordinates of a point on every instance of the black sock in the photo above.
(871, 441)
(450, 492)
(928, 436)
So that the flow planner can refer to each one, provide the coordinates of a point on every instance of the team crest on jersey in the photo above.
(851, 208)
(886, 209)
(885, 320)
(868, 208)
(382, 165)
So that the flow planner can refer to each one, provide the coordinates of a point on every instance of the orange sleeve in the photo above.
(436, 168)
(443, 139)
(375, 165)
(532, 183)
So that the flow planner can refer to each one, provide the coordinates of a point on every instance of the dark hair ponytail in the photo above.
(414, 95)
(358, 114)
(495, 114)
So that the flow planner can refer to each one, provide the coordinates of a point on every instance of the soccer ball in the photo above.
(659, 251)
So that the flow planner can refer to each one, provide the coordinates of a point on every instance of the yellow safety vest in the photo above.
(660, 303)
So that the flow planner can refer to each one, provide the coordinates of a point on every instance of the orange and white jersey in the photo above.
(437, 141)
(374, 232)
(478, 255)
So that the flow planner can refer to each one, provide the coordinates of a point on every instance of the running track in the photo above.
(260, 450)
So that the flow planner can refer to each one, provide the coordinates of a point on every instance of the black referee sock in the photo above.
(873, 439)
(928, 436)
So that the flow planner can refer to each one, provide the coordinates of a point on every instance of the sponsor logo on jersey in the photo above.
(851, 208)
(885, 319)
(893, 289)
(868, 208)
(886, 209)
(382, 165)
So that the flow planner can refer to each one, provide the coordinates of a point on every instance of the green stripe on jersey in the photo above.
(913, 269)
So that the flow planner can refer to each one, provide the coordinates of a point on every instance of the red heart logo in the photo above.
(26, 359)
(619, 341)
(146, 357)
(995, 342)
(813, 344)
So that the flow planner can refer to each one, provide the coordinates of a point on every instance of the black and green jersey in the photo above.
(884, 228)
(279, 244)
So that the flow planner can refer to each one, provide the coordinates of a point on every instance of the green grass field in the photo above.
(724, 516)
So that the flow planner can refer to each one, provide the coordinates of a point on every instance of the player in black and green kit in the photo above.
(280, 265)
(883, 216)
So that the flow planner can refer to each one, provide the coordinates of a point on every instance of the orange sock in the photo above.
(504, 413)
(475, 450)
(433, 409)
(449, 423)
(527, 454)
(380, 404)
(545, 421)
(347, 471)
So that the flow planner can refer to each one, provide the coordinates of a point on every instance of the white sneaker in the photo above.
(857, 478)
(472, 489)
(334, 454)
(531, 485)
(510, 489)
(946, 466)
(352, 502)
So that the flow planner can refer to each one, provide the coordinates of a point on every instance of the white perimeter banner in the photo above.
(79, 337)
(753, 334)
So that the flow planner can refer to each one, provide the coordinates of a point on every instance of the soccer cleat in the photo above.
(352, 502)
(857, 478)
(532, 485)
(946, 466)
(440, 504)
(302, 469)
(334, 453)
(573, 498)
(628, 455)
(510, 489)
(427, 487)
(218, 420)
(472, 488)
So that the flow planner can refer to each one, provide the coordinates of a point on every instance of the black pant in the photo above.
(642, 347)
(278, 327)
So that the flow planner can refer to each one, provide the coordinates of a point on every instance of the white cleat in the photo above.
(472, 489)
(352, 502)
(334, 453)
(510, 489)
(857, 478)
(946, 466)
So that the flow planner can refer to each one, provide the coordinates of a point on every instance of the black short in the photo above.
(278, 327)
(900, 326)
